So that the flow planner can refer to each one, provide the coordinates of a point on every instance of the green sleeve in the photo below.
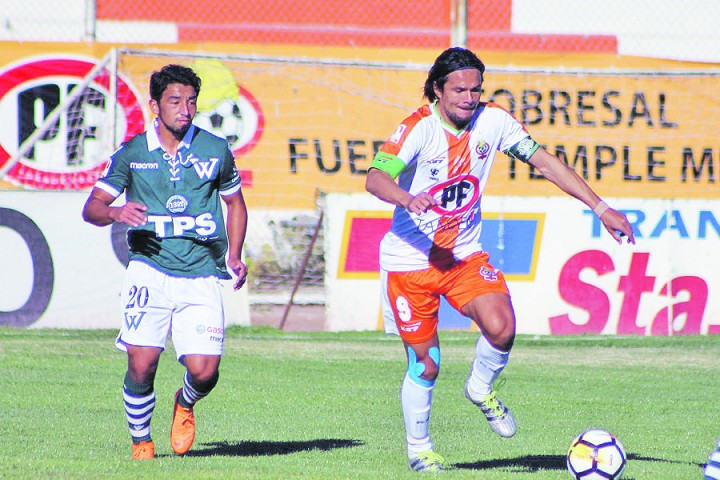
(388, 163)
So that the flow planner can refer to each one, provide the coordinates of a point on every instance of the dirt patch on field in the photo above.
(299, 318)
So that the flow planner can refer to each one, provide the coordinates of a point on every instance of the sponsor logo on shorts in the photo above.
(488, 274)
(410, 327)
(133, 321)
(201, 329)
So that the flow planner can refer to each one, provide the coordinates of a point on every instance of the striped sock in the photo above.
(712, 467)
(192, 393)
(139, 405)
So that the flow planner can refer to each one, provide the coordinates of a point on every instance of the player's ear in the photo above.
(154, 107)
(438, 91)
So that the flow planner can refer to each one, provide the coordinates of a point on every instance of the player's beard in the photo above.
(178, 133)
(458, 121)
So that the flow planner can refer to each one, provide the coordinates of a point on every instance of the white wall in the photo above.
(655, 28)
(71, 261)
(579, 279)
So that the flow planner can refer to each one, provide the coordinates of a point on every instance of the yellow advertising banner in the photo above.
(308, 121)
(638, 134)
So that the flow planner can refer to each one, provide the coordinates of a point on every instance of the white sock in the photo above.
(416, 405)
(488, 364)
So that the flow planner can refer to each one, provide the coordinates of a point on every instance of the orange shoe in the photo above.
(182, 432)
(143, 450)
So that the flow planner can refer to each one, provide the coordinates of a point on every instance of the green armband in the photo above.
(388, 163)
(523, 150)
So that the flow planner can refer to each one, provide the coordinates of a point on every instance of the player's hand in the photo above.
(421, 203)
(132, 213)
(616, 223)
(240, 271)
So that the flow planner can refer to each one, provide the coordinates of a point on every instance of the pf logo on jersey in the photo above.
(456, 195)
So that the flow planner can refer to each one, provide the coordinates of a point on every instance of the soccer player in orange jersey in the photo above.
(434, 169)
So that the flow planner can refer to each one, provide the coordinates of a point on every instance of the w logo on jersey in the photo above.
(133, 321)
(205, 169)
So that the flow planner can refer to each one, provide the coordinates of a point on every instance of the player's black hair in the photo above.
(451, 60)
(160, 80)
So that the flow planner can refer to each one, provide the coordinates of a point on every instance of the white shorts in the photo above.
(388, 316)
(155, 305)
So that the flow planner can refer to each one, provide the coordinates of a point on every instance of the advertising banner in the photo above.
(565, 273)
(302, 125)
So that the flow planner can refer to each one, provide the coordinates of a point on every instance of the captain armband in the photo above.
(388, 163)
(523, 150)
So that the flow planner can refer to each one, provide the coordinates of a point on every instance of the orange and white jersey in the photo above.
(453, 166)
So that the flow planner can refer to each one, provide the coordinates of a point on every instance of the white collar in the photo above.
(153, 141)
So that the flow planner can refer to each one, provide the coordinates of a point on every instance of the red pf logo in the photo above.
(72, 153)
(456, 195)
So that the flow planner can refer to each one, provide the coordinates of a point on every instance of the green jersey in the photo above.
(185, 233)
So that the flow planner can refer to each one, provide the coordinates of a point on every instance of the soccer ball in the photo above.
(224, 121)
(596, 455)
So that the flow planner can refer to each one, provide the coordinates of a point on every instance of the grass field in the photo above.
(326, 406)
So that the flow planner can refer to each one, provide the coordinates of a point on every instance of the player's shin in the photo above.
(416, 405)
(488, 364)
(139, 403)
(416, 397)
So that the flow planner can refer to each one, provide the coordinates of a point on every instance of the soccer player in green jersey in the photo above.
(174, 176)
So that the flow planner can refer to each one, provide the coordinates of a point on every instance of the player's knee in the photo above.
(203, 369)
(503, 341)
(424, 371)
(500, 334)
(205, 379)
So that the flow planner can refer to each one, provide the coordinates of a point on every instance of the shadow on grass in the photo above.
(258, 449)
(535, 463)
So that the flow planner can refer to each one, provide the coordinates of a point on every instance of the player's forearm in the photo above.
(97, 213)
(565, 178)
(383, 186)
(236, 228)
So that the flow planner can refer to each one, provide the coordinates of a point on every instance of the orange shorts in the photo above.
(415, 296)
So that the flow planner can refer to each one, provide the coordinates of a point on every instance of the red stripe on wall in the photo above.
(318, 36)
(374, 13)
(543, 43)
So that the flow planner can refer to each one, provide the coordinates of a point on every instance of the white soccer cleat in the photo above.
(427, 461)
(500, 419)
